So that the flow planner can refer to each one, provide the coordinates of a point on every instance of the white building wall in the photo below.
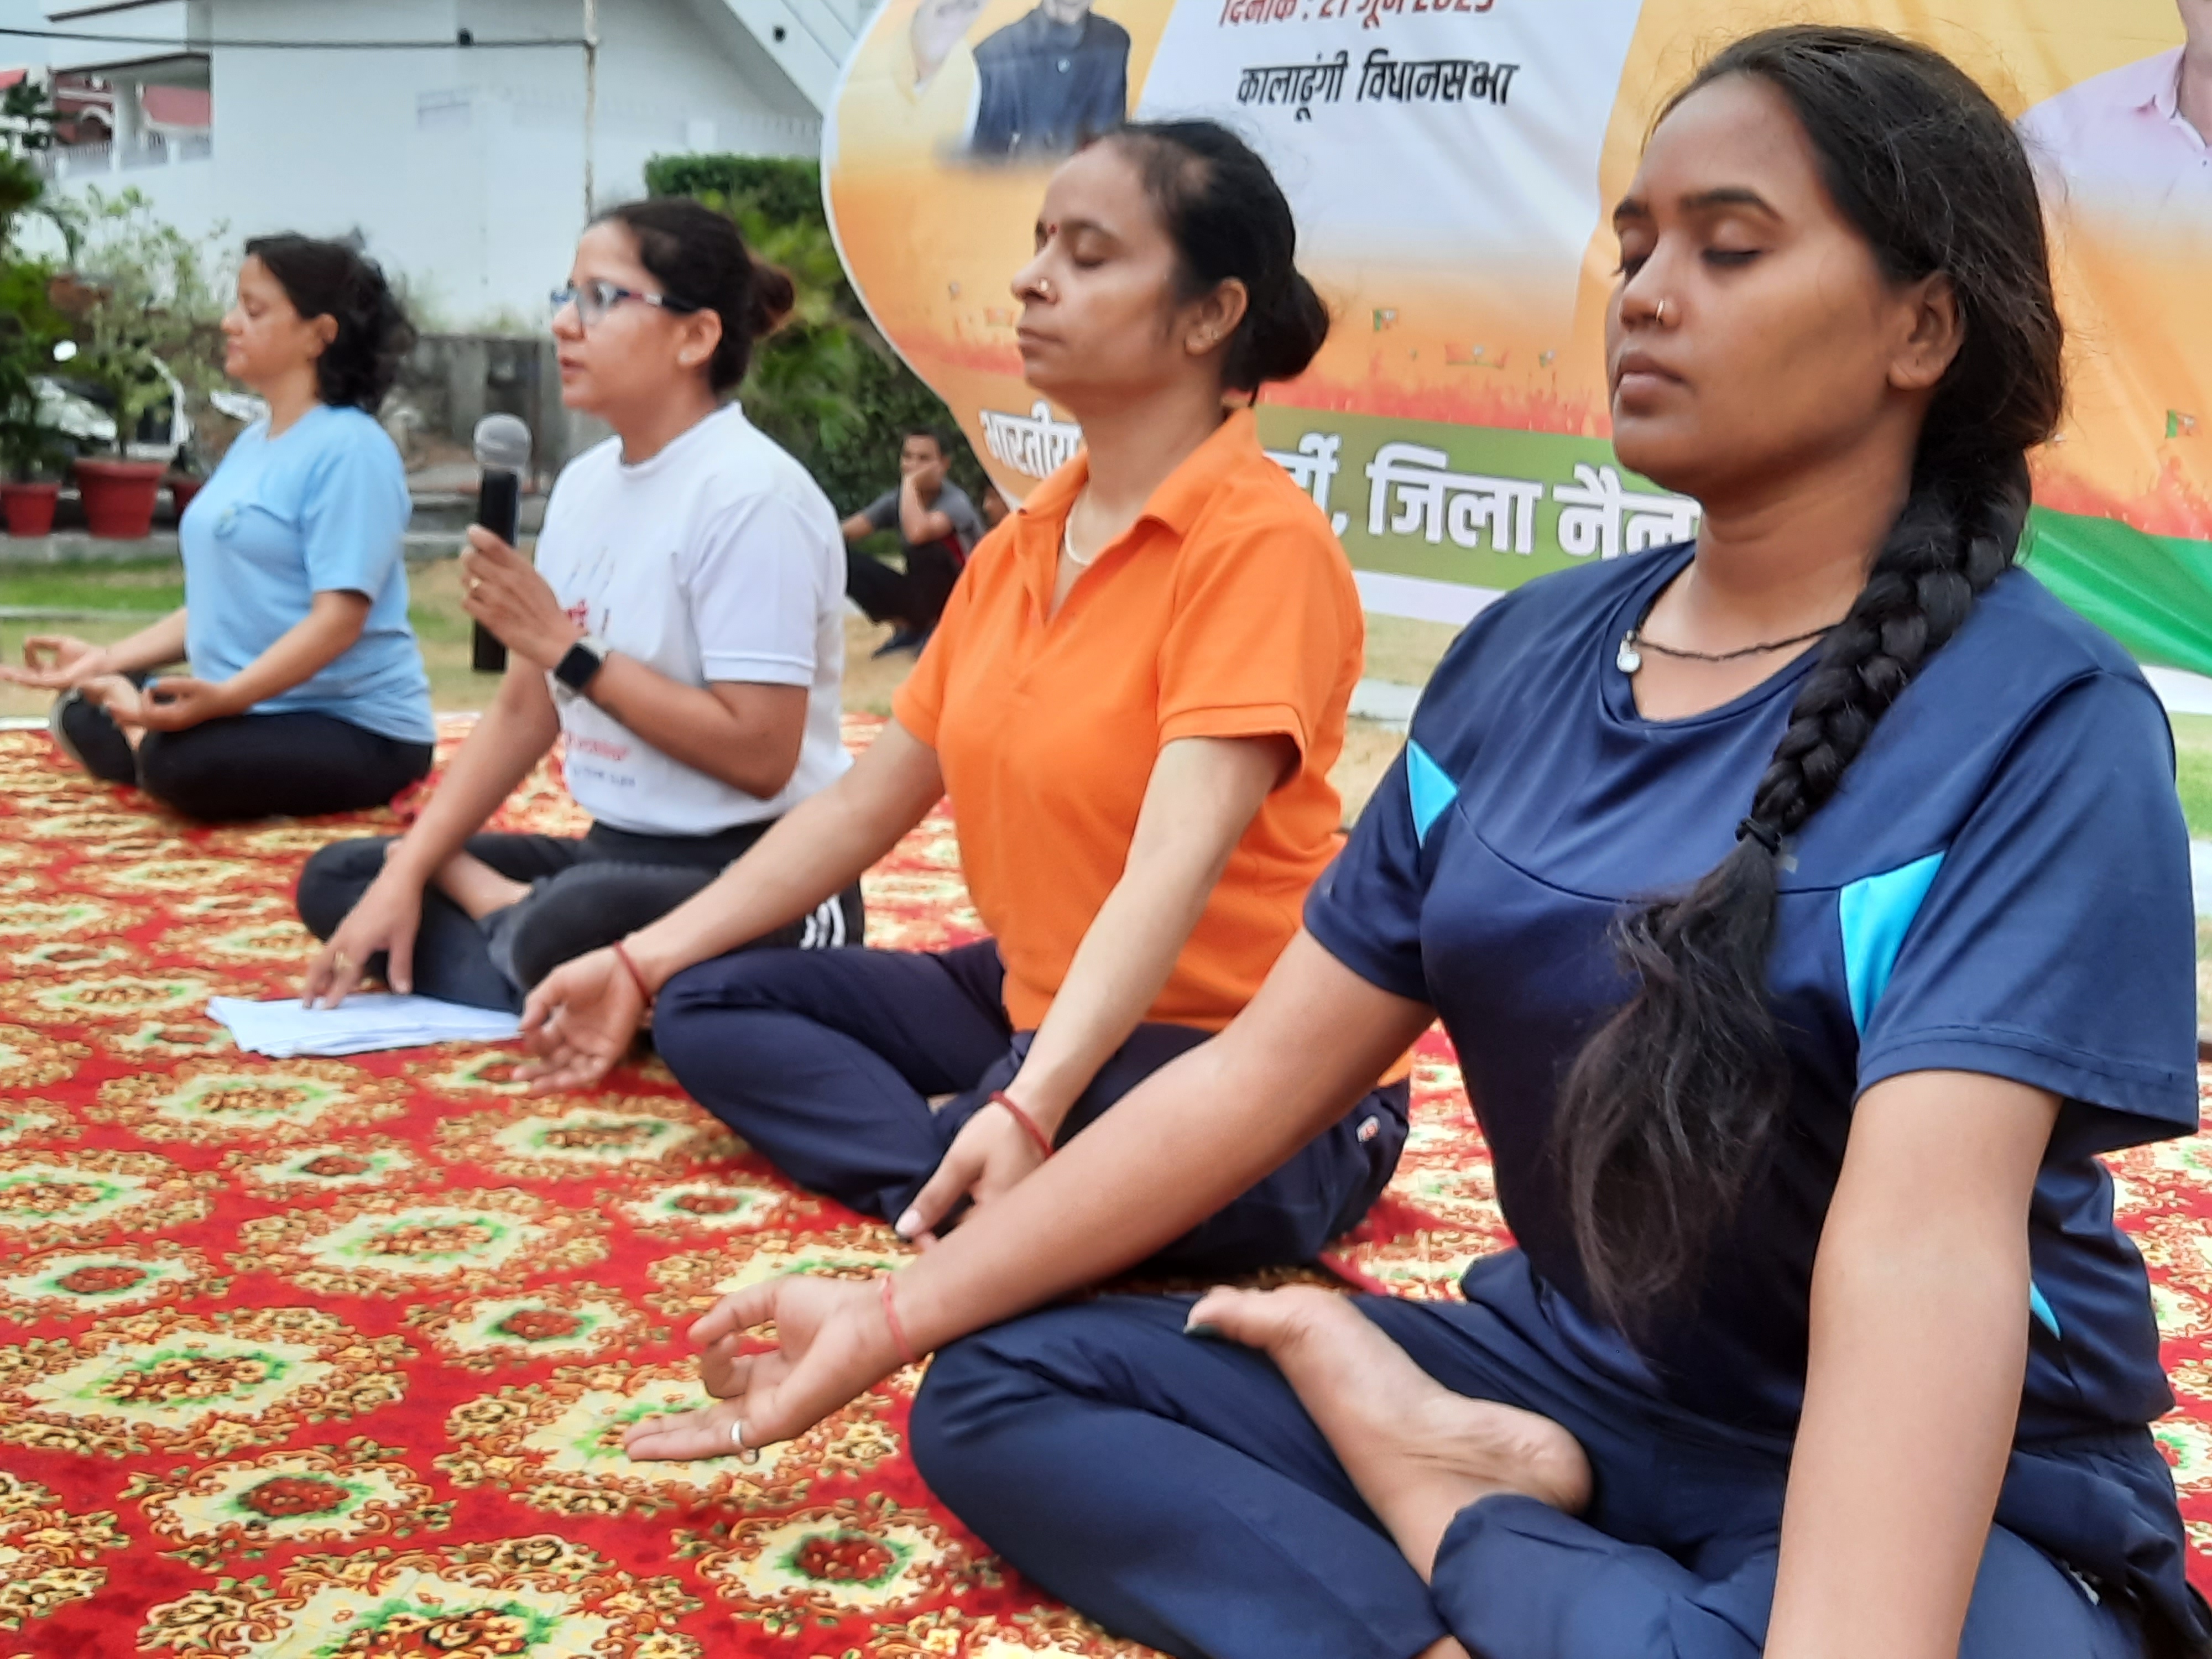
(463, 168)
(669, 81)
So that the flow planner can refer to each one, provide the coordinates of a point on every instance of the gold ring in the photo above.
(475, 582)
(341, 960)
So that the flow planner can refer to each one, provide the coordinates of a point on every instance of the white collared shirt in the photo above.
(2118, 141)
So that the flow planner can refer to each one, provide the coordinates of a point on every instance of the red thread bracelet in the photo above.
(898, 1331)
(1000, 1098)
(622, 955)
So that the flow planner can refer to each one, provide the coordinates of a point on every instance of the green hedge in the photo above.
(787, 190)
(826, 385)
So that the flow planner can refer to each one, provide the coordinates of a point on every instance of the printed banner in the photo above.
(1452, 164)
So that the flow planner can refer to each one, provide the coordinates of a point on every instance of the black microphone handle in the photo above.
(499, 503)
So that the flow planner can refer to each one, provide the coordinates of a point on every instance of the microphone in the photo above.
(502, 446)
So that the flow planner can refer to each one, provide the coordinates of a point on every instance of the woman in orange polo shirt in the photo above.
(1134, 699)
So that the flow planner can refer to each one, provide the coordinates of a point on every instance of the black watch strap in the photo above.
(577, 670)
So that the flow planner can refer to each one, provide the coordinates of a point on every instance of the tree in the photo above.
(29, 323)
(142, 299)
(27, 129)
(826, 385)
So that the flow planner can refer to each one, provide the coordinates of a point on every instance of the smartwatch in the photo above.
(585, 657)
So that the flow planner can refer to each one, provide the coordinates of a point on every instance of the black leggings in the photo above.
(915, 597)
(246, 766)
(583, 895)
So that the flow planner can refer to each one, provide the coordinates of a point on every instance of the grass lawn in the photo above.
(156, 585)
(120, 598)
(125, 596)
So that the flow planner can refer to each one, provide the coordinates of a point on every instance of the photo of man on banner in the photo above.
(2138, 137)
(1050, 81)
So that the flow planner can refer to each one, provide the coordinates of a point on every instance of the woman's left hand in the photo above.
(991, 1155)
(503, 591)
(172, 705)
(579, 1021)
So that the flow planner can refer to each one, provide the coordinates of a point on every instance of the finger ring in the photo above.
(341, 960)
(745, 1454)
(475, 582)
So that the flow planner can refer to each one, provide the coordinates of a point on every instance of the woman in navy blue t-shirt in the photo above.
(1797, 987)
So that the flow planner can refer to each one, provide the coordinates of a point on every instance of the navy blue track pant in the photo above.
(826, 1062)
(1172, 1488)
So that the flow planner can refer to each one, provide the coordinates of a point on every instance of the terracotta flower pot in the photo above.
(118, 496)
(181, 491)
(29, 507)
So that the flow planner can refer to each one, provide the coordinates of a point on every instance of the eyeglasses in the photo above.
(593, 300)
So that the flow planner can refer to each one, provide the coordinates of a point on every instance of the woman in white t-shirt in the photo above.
(683, 626)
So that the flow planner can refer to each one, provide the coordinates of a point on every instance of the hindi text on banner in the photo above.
(1034, 444)
(1598, 516)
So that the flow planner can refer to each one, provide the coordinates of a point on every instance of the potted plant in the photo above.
(32, 453)
(31, 456)
(119, 491)
(140, 301)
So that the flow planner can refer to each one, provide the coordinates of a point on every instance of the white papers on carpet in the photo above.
(285, 1029)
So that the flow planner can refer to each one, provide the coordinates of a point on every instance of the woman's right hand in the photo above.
(833, 1344)
(386, 919)
(116, 696)
(581, 1019)
(58, 662)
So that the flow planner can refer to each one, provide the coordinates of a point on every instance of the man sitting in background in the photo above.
(937, 526)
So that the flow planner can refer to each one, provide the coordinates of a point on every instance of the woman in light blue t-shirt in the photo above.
(307, 692)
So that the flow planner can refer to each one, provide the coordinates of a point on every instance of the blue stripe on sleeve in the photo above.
(1875, 913)
(1429, 788)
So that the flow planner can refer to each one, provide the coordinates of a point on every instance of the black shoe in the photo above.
(904, 638)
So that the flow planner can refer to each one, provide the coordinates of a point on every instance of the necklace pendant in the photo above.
(1628, 659)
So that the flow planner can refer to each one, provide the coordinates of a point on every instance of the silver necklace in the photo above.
(1067, 545)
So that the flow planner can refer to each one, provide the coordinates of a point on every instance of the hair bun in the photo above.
(698, 255)
(773, 298)
(1279, 338)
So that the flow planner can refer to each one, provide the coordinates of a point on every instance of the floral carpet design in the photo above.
(333, 1358)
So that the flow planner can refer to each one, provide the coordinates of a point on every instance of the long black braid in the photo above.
(1667, 1112)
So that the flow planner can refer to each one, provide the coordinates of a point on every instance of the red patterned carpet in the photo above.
(324, 1358)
